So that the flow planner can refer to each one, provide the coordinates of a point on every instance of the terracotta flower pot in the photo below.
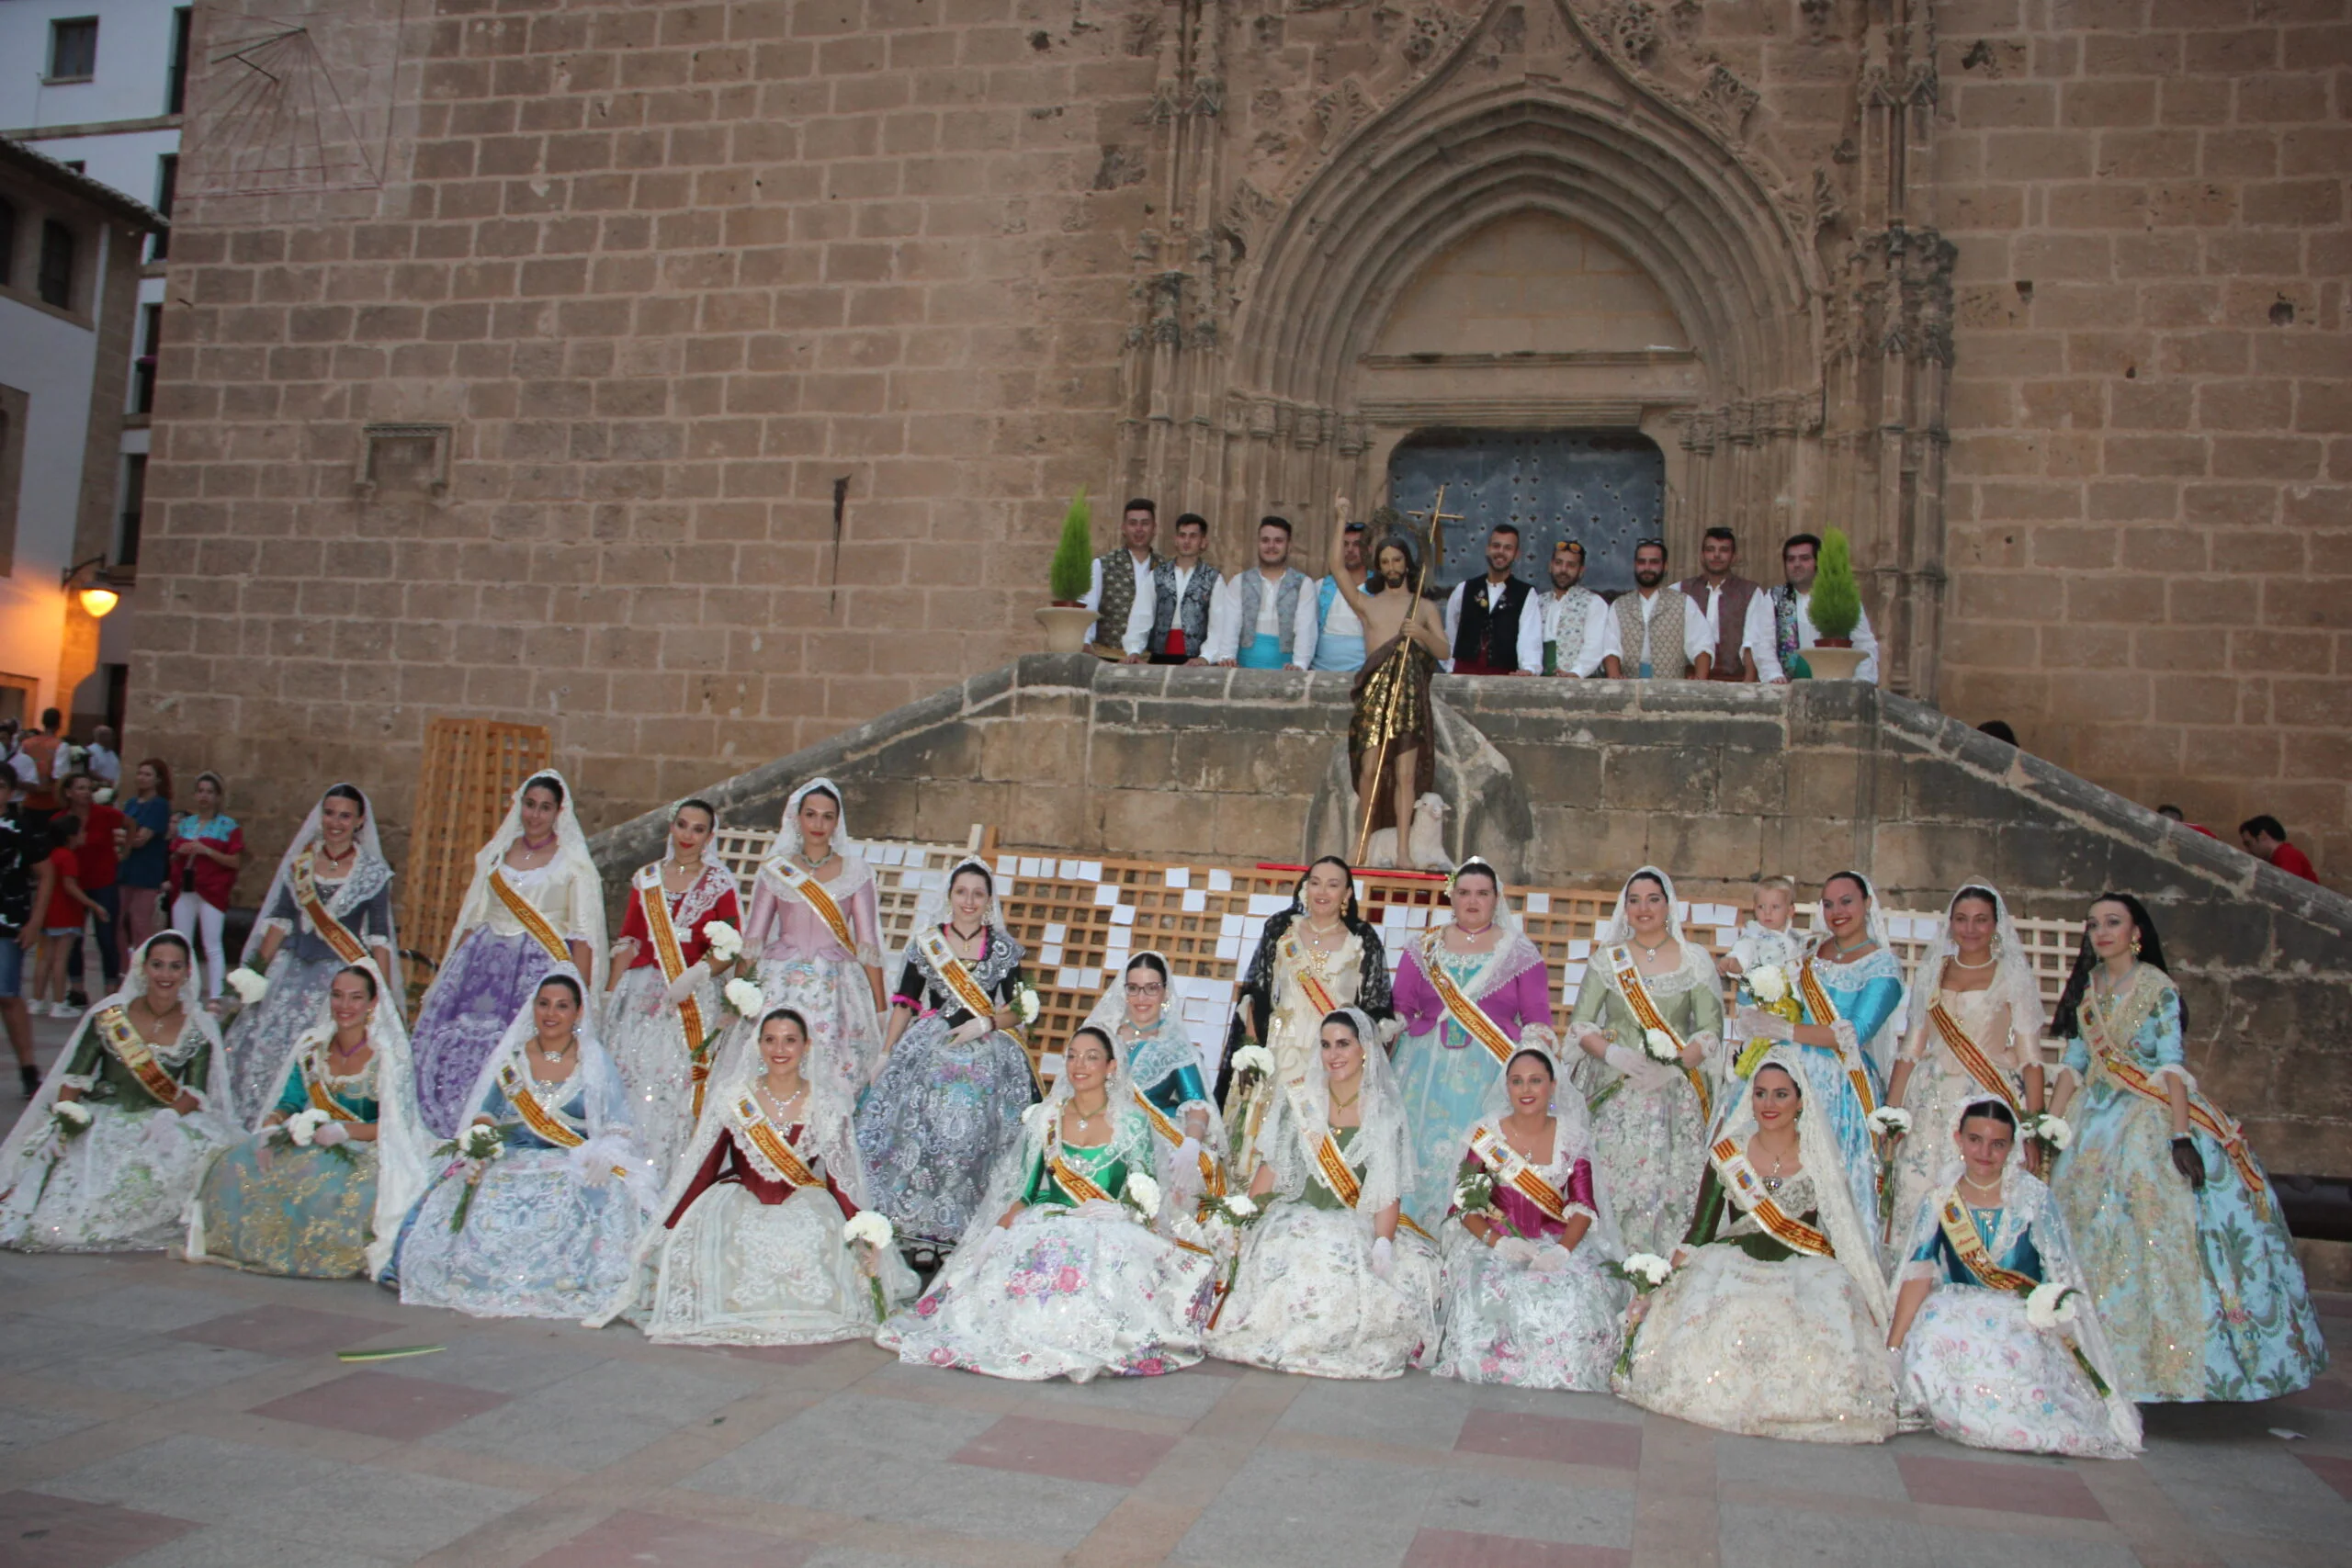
(1833, 658)
(1064, 627)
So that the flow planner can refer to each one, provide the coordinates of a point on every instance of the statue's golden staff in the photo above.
(1436, 517)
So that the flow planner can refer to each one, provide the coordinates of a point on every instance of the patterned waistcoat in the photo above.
(1286, 607)
(1118, 596)
(1191, 615)
(1565, 616)
(1656, 642)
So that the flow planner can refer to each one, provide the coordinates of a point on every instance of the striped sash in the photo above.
(655, 903)
(1637, 992)
(812, 893)
(1960, 1232)
(551, 1126)
(333, 931)
(777, 1148)
(1739, 1176)
(1474, 1019)
(124, 1043)
(2109, 1042)
(528, 916)
(1966, 1052)
(1824, 1012)
(1518, 1172)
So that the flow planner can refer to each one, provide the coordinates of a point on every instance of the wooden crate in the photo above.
(471, 767)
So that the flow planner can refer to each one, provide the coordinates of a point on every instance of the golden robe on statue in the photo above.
(1392, 698)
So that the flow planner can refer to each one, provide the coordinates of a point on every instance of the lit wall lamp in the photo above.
(98, 593)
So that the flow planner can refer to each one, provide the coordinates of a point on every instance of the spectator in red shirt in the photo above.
(102, 834)
(2177, 815)
(2265, 838)
(65, 907)
(206, 848)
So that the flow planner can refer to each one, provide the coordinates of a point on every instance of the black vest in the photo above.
(1488, 640)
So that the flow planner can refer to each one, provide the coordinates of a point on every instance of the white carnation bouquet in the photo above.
(1659, 1047)
(1768, 984)
(302, 1127)
(745, 998)
(249, 983)
(70, 1116)
(475, 1149)
(1254, 1059)
(724, 942)
(871, 1231)
(1141, 1194)
(2049, 1307)
(1645, 1271)
(2052, 1131)
(1026, 1004)
(1234, 1211)
(1891, 1121)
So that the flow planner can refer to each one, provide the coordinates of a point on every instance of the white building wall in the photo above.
(53, 362)
(133, 77)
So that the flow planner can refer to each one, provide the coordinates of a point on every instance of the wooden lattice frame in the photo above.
(471, 767)
(1074, 915)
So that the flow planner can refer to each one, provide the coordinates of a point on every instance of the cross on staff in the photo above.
(1433, 523)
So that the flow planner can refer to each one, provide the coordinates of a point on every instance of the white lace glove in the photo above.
(331, 1134)
(1515, 1249)
(1383, 1257)
(1584, 1033)
(1550, 1259)
(1848, 1043)
(971, 1029)
(684, 985)
(1708, 1041)
(1188, 1156)
(1762, 1025)
(1636, 1066)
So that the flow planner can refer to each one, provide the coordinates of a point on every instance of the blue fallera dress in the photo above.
(1868, 994)
(2199, 1288)
(310, 1212)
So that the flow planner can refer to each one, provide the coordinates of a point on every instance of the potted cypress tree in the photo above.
(1066, 617)
(1835, 609)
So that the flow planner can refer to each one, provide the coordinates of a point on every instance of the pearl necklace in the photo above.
(1960, 962)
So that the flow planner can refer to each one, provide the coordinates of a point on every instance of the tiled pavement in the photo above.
(156, 1413)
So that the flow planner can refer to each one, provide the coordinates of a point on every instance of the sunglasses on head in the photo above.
(1640, 543)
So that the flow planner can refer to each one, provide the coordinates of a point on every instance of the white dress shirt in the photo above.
(1864, 639)
(1144, 592)
(1697, 628)
(1224, 637)
(1531, 623)
(1757, 634)
(1585, 658)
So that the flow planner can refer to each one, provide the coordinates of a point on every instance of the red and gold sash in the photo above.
(547, 1124)
(1518, 1172)
(1211, 1178)
(968, 993)
(655, 903)
(1317, 992)
(124, 1043)
(333, 931)
(314, 1071)
(1825, 1013)
(1738, 1175)
(1074, 1181)
(1960, 1232)
(2098, 1024)
(1966, 1052)
(1332, 1164)
(528, 916)
(812, 893)
(1637, 992)
(769, 1139)
(1474, 1019)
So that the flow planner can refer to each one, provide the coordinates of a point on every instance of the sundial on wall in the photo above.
(294, 101)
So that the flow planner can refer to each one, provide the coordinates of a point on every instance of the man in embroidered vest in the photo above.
(1656, 631)
(1339, 636)
(1119, 597)
(1183, 590)
(1485, 620)
(1792, 630)
(1575, 618)
(1740, 610)
(1264, 617)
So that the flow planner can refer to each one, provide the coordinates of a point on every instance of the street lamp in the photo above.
(97, 595)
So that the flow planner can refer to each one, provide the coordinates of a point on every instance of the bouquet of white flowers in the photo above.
(1254, 1059)
(70, 1116)
(474, 1148)
(1234, 1211)
(1889, 1122)
(724, 942)
(1645, 1271)
(1026, 1004)
(745, 998)
(302, 1127)
(871, 1231)
(2051, 1307)
(1768, 985)
(2053, 1131)
(1142, 1195)
(1659, 1047)
(249, 984)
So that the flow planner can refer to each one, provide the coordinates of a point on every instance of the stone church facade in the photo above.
(704, 380)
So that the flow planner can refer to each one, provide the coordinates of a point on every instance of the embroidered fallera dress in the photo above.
(750, 1257)
(1444, 1071)
(1868, 994)
(1649, 1128)
(1974, 1367)
(1939, 1084)
(942, 1113)
(121, 1183)
(309, 1212)
(803, 963)
(552, 1230)
(1076, 1287)
(647, 1032)
(2199, 1290)
(1507, 1321)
